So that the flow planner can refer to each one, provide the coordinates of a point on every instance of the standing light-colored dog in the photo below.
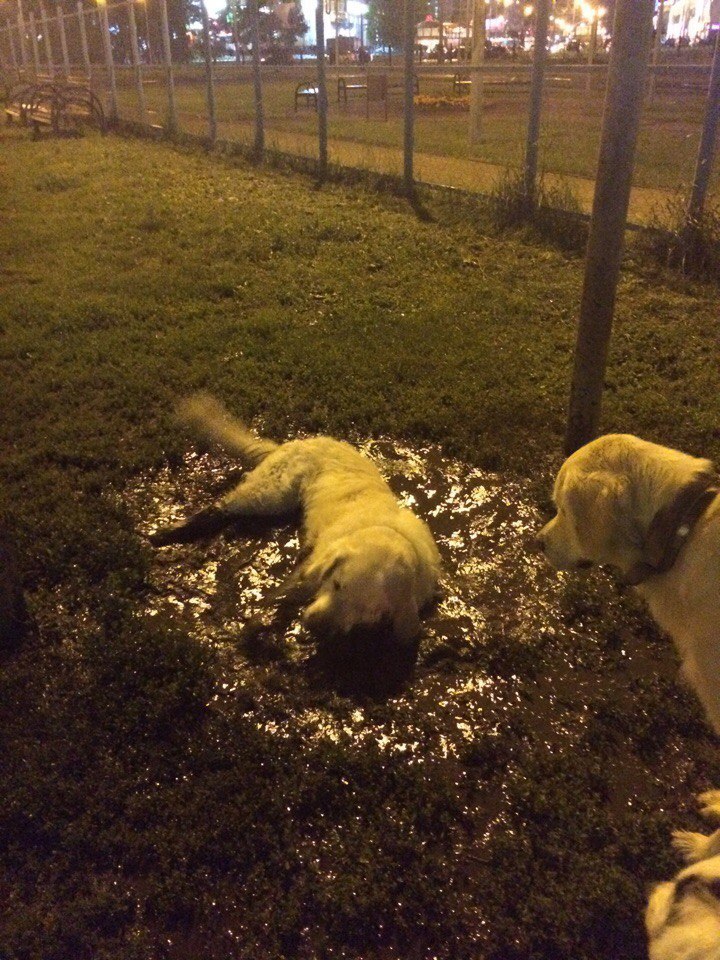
(683, 915)
(369, 559)
(654, 515)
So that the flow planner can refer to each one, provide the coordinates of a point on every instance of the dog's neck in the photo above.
(671, 527)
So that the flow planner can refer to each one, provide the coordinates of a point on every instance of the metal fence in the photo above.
(371, 115)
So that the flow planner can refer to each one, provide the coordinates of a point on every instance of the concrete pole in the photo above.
(542, 16)
(477, 59)
(83, 39)
(137, 67)
(63, 40)
(621, 120)
(409, 106)
(322, 91)
(172, 119)
(209, 80)
(109, 62)
(46, 40)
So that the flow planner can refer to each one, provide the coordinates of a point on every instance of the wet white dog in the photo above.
(370, 561)
(683, 916)
(654, 515)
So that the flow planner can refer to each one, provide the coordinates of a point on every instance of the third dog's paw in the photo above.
(691, 846)
(710, 803)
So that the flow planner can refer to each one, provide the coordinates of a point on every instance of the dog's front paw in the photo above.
(709, 803)
(691, 846)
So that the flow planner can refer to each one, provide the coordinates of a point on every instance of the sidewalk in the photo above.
(465, 174)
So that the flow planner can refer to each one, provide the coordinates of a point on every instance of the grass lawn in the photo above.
(167, 791)
(667, 147)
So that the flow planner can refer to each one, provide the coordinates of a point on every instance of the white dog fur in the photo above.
(369, 559)
(607, 494)
(683, 915)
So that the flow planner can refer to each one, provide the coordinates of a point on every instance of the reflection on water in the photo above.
(514, 662)
(480, 670)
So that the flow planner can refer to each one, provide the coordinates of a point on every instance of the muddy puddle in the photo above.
(503, 651)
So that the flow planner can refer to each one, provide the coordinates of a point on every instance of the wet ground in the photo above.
(513, 650)
(278, 797)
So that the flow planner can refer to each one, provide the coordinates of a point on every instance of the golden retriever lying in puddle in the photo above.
(370, 560)
(683, 915)
(653, 514)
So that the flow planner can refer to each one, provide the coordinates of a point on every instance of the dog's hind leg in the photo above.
(271, 490)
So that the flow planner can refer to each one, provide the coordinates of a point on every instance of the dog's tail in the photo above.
(209, 419)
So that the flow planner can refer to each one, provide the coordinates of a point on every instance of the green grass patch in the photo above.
(144, 813)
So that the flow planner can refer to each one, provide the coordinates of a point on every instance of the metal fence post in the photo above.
(83, 39)
(592, 50)
(63, 40)
(259, 147)
(322, 91)
(22, 33)
(207, 52)
(477, 58)
(46, 40)
(542, 15)
(172, 120)
(137, 68)
(657, 46)
(621, 119)
(706, 151)
(34, 39)
(109, 62)
(13, 52)
(409, 107)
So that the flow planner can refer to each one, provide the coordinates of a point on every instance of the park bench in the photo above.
(463, 83)
(63, 108)
(307, 92)
(351, 84)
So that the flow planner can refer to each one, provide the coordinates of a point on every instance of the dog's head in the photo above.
(683, 916)
(606, 495)
(364, 580)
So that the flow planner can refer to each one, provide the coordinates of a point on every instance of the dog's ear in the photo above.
(601, 506)
(399, 588)
(406, 621)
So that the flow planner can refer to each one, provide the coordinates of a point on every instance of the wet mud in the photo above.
(511, 650)
(521, 677)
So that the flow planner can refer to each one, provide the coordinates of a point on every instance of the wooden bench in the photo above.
(307, 92)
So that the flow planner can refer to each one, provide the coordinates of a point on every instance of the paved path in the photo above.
(465, 173)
